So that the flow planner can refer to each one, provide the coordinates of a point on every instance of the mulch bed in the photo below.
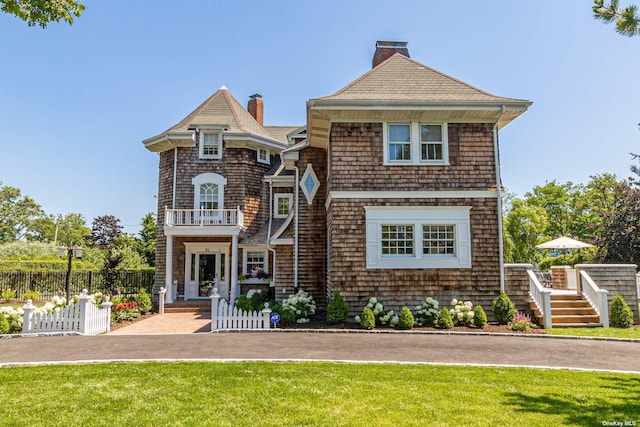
(318, 323)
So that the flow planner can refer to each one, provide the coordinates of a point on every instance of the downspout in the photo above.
(499, 196)
(273, 251)
(175, 170)
(295, 232)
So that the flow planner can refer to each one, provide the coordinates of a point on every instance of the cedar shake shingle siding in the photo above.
(348, 274)
(356, 151)
(357, 161)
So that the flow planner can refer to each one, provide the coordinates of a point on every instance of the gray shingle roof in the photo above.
(402, 79)
(222, 109)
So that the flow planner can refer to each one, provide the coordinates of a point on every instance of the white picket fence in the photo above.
(227, 317)
(84, 317)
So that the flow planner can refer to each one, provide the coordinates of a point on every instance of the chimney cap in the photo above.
(391, 44)
(255, 96)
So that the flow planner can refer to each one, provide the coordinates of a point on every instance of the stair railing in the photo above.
(596, 297)
(541, 297)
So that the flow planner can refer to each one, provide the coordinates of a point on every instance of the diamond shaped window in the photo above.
(309, 183)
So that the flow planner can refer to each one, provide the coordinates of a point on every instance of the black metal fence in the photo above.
(50, 283)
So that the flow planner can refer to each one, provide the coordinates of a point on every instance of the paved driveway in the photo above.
(533, 351)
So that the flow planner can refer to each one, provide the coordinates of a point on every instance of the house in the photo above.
(391, 189)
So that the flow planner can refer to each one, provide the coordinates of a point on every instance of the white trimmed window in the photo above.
(210, 145)
(254, 259)
(418, 237)
(208, 191)
(309, 183)
(282, 205)
(415, 143)
(263, 155)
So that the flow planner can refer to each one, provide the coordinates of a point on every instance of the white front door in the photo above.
(206, 265)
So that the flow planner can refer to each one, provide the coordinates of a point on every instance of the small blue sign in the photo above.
(274, 317)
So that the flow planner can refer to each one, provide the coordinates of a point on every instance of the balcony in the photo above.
(204, 218)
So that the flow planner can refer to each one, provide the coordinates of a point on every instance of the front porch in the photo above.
(201, 252)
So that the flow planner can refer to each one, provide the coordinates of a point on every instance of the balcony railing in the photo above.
(203, 217)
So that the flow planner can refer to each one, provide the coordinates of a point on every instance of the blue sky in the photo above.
(76, 101)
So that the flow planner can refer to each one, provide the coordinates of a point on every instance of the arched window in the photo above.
(208, 191)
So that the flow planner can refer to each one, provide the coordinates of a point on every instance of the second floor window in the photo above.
(282, 205)
(210, 145)
(415, 143)
(208, 196)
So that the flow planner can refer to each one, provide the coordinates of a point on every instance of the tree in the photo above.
(147, 243)
(42, 12)
(626, 20)
(63, 229)
(524, 226)
(17, 214)
(619, 240)
(104, 231)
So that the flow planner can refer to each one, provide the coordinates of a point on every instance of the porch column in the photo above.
(234, 268)
(168, 274)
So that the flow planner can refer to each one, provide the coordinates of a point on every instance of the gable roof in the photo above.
(402, 79)
(220, 110)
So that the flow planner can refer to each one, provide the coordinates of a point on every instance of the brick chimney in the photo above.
(255, 107)
(385, 49)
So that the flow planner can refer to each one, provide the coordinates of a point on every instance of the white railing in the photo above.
(596, 297)
(541, 297)
(227, 317)
(83, 317)
(203, 217)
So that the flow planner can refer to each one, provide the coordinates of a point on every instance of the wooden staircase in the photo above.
(569, 311)
(195, 306)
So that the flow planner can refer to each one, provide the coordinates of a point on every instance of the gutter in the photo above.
(499, 198)
(269, 247)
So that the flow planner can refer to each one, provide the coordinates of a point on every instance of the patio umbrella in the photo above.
(564, 243)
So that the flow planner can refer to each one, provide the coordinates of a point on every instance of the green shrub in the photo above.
(144, 300)
(32, 295)
(4, 325)
(368, 319)
(503, 309)
(621, 314)
(444, 320)
(337, 310)
(427, 312)
(8, 295)
(298, 307)
(480, 317)
(253, 303)
(405, 319)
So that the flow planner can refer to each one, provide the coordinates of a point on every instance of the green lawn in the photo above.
(598, 332)
(311, 394)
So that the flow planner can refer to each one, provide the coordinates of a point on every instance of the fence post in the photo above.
(546, 304)
(84, 301)
(266, 314)
(604, 310)
(27, 323)
(215, 299)
(106, 305)
(161, 300)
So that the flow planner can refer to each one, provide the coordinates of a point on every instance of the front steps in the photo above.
(194, 306)
(569, 311)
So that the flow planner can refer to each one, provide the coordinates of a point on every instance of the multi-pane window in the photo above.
(399, 137)
(397, 240)
(431, 142)
(438, 240)
(282, 205)
(210, 145)
(208, 196)
(263, 155)
(255, 261)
